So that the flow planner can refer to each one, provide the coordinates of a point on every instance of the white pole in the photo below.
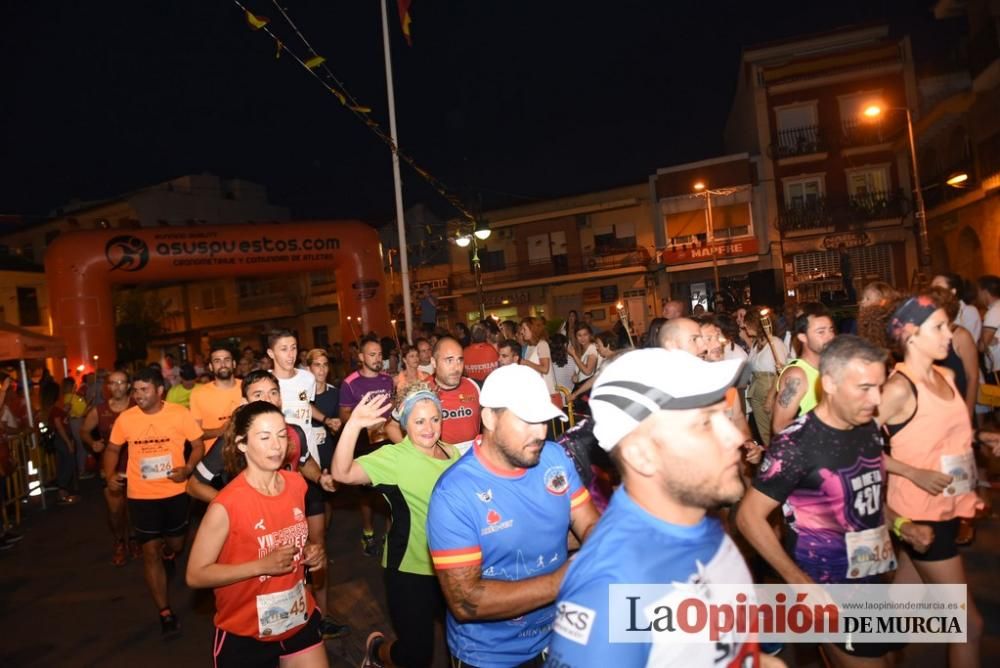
(404, 264)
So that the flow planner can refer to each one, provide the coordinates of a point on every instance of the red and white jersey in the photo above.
(460, 414)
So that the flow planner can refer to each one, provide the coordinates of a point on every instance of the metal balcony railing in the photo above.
(858, 132)
(556, 265)
(843, 212)
(798, 141)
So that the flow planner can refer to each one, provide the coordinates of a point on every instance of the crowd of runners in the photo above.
(785, 441)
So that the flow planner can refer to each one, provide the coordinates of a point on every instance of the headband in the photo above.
(407, 406)
(914, 311)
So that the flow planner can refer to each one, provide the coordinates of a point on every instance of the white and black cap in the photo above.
(641, 382)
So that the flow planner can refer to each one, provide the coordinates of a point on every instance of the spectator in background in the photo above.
(564, 368)
(426, 356)
(652, 338)
(568, 328)
(54, 427)
(537, 354)
(509, 352)
(181, 392)
(428, 307)
(493, 335)
(674, 308)
(461, 333)
(508, 330)
(410, 372)
(76, 408)
(480, 357)
(989, 345)
(968, 315)
(767, 356)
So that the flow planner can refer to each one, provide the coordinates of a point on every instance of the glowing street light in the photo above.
(873, 111)
(957, 180)
(472, 237)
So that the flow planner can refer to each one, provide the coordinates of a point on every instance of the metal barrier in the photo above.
(558, 426)
(32, 467)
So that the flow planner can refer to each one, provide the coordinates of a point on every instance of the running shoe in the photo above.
(169, 624)
(370, 545)
(371, 660)
(332, 630)
(119, 557)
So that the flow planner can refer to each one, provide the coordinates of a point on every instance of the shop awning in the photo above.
(19, 343)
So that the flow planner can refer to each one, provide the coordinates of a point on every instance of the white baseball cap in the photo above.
(641, 382)
(521, 390)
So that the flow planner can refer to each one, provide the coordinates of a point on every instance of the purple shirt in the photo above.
(356, 386)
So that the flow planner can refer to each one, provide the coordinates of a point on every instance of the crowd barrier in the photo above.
(32, 467)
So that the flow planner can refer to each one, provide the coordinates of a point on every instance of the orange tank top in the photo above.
(937, 437)
(265, 608)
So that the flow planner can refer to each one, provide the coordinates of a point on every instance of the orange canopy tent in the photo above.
(17, 343)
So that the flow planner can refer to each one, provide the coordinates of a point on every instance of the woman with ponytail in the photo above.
(405, 473)
(253, 549)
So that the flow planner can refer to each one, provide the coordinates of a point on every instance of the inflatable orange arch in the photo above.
(82, 266)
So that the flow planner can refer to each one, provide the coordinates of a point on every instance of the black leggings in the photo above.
(415, 601)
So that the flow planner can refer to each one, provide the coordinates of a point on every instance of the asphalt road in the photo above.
(62, 603)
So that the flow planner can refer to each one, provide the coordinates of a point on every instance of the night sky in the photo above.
(506, 100)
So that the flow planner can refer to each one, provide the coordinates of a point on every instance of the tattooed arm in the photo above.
(470, 597)
(792, 387)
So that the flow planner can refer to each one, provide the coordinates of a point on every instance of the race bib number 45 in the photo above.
(281, 611)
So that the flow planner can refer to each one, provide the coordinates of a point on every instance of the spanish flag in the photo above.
(405, 20)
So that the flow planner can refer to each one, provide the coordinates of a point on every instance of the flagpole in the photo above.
(404, 264)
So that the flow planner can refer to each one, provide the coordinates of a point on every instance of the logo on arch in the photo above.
(127, 253)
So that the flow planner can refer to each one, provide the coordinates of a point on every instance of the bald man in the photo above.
(683, 334)
(673, 308)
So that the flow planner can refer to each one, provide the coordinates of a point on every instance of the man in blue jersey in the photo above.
(498, 523)
(661, 415)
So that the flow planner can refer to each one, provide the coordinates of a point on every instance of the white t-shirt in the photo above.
(296, 394)
(589, 353)
(992, 319)
(564, 374)
(537, 353)
(968, 317)
(763, 360)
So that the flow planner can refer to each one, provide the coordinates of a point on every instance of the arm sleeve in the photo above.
(452, 537)
(380, 466)
(347, 399)
(781, 470)
(210, 466)
(542, 350)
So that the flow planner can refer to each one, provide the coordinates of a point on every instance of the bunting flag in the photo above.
(405, 20)
(316, 66)
(256, 22)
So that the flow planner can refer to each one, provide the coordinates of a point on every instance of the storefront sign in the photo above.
(695, 252)
(435, 284)
(846, 240)
(506, 299)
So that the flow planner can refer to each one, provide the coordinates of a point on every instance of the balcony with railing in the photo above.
(863, 132)
(798, 141)
(555, 266)
(842, 212)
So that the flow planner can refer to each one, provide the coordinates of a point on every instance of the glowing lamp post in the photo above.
(472, 237)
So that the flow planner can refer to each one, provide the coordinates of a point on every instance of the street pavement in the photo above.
(62, 603)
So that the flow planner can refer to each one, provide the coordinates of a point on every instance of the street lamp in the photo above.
(465, 238)
(702, 190)
(873, 111)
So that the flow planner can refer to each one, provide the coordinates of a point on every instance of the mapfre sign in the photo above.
(689, 253)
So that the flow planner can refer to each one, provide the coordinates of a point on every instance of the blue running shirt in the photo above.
(512, 526)
(630, 546)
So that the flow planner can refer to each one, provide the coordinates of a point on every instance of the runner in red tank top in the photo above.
(253, 548)
(102, 417)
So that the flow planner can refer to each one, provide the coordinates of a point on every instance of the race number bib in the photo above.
(298, 412)
(962, 469)
(869, 552)
(155, 468)
(281, 611)
(319, 435)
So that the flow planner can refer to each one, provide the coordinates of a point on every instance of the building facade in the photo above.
(838, 191)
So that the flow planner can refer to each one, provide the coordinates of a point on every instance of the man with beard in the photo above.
(213, 403)
(798, 388)
(497, 526)
(154, 432)
(662, 417)
(826, 470)
(682, 334)
(369, 378)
